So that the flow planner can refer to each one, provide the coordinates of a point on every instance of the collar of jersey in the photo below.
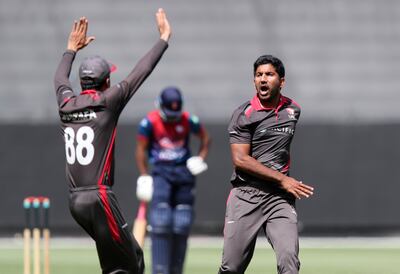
(256, 104)
(88, 91)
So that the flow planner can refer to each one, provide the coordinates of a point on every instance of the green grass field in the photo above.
(318, 259)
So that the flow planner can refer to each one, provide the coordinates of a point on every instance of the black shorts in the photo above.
(97, 211)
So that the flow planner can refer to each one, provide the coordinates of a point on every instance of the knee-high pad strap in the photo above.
(182, 219)
(161, 219)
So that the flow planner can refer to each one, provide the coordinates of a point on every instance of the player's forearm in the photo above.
(142, 165)
(251, 166)
(141, 162)
(143, 169)
(205, 142)
(145, 66)
(63, 71)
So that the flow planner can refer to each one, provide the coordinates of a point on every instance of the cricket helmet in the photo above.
(170, 103)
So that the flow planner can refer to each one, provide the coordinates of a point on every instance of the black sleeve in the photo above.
(127, 88)
(62, 84)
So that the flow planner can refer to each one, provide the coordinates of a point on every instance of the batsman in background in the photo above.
(163, 140)
(88, 124)
(263, 195)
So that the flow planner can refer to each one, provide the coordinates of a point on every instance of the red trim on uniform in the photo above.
(286, 167)
(294, 102)
(89, 91)
(256, 104)
(282, 101)
(249, 110)
(107, 165)
(227, 200)
(92, 93)
(66, 100)
(229, 196)
(112, 224)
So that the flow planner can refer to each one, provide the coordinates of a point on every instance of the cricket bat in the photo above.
(140, 225)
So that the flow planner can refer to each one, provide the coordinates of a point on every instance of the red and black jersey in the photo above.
(169, 141)
(269, 131)
(89, 120)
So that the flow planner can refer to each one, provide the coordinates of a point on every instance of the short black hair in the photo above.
(270, 59)
(90, 83)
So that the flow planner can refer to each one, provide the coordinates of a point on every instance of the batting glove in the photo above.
(196, 165)
(144, 188)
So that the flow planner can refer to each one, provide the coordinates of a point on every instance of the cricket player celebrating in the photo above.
(263, 194)
(88, 124)
(163, 139)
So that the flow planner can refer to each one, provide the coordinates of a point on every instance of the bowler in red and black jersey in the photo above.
(88, 124)
(263, 195)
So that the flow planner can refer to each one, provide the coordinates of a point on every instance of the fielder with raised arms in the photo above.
(88, 124)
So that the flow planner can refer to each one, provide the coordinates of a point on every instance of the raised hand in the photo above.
(163, 25)
(78, 37)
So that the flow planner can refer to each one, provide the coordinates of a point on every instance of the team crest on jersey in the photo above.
(291, 114)
(167, 143)
(179, 129)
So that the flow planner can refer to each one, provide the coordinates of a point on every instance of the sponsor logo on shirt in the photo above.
(78, 116)
(291, 114)
(283, 130)
(165, 142)
(170, 154)
(179, 128)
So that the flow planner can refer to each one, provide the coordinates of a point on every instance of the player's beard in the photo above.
(267, 94)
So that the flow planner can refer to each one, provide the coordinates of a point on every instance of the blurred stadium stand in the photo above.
(342, 60)
(341, 57)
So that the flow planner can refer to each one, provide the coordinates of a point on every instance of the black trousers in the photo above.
(97, 211)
